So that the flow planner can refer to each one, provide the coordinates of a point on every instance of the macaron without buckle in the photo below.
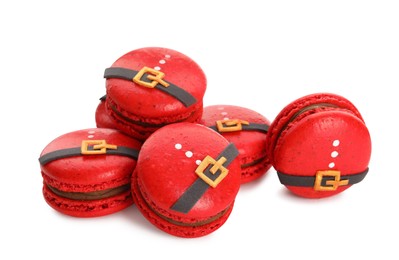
(245, 128)
(102, 118)
(151, 87)
(319, 145)
(87, 173)
(186, 180)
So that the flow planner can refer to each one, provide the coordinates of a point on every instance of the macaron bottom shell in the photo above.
(87, 208)
(255, 169)
(175, 227)
(142, 128)
(310, 193)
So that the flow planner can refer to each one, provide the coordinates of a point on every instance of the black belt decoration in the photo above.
(211, 172)
(89, 147)
(232, 125)
(103, 98)
(328, 180)
(151, 78)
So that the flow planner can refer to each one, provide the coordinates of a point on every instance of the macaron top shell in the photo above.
(166, 169)
(101, 171)
(300, 106)
(178, 69)
(327, 140)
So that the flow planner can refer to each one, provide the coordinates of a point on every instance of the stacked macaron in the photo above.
(156, 146)
(149, 88)
(154, 102)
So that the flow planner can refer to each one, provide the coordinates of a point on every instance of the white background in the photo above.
(257, 54)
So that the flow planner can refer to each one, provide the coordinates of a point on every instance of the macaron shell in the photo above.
(85, 173)
(167, 164)
(250, 144)
(329, 140)
(103, 119)
(289, 111)
(173, 229)
(178, 68)
(85, 209)
(138, 129)
(254, 172)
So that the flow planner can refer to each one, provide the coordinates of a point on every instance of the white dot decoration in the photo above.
(167, 56)
(226, 118)
(334, 153)
(157, 68)
(189, 154)
(223, 113)
(162, 61)
(178, 146)
(91, 132)
(198, 162)
(90, 136)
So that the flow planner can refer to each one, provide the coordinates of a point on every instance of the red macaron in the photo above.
(245, 128)
(319, 145)
(151, 87)
(102, 117)
(87, 173)
(186, 180)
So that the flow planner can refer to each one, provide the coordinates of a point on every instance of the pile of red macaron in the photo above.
(181, 163)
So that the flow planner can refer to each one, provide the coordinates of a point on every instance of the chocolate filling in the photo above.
(195, 224)
(172, 221)
(94, 195)
(255, 162)
(310, 107)
(303, 110)
(144, 124)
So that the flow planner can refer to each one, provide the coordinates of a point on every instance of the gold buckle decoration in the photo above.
(331, 184)
(155, 75)
(230, 125)
(217, 165)
(99, 147)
